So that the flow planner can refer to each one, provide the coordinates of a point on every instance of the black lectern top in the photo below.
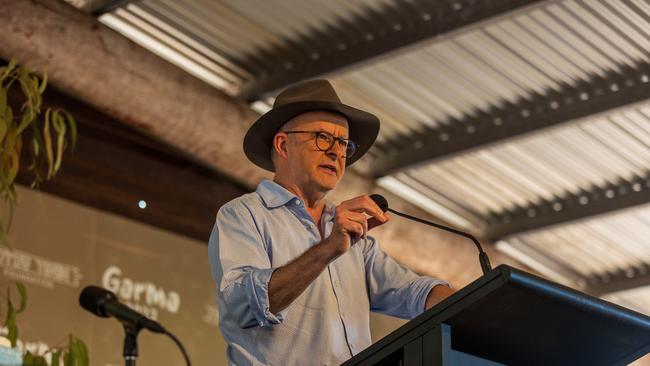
(515, 318)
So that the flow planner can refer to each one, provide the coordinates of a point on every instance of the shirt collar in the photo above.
(274, 195)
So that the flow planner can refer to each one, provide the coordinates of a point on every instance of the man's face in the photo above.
(308, 166)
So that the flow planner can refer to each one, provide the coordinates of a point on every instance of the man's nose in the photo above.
(336, 151)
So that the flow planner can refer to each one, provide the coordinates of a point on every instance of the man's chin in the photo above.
(328, 183)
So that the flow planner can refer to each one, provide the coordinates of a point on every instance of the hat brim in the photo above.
(363, 128)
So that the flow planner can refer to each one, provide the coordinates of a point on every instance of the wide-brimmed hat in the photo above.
(312, 95)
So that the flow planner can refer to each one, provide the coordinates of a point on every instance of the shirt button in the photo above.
(297, 202)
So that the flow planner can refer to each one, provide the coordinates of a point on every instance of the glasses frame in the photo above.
(335, 139)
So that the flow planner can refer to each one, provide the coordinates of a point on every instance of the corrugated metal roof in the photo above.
(506, 61)
(540, 167)
(594, 247)
(230, 43)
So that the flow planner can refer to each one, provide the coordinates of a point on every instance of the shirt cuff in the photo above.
(260, 285)
(422, 287)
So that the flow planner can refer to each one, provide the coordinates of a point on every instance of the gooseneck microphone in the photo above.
(483, 257)
(105, 304)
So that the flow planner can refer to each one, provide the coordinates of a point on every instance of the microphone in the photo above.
(104, 303)
(483, 257)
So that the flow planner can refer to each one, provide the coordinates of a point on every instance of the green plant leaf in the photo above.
(72, 125)
(36, 144)
(11, 192)
(47, 138)
(41, 88)
(38, 97)
(28, 117)
(37, 157)
(32, 106)
(79, 350)
(60, 128)
(8, 118)
(3, 102)
(35, 361)
(69, 359)
(10, 322)
(23, 297)
(10, 161)
(56, 358)
(28, 358)
(3, 236)
(12, 164)
(8, 70)
(24, 82)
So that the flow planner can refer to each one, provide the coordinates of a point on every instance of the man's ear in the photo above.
(280, 145)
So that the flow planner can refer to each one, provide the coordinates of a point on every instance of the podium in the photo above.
(510, 317)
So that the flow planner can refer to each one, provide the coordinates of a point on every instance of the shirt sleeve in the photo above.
(394, 289)
(241, 268)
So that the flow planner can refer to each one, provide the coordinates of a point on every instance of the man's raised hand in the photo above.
(352, 220)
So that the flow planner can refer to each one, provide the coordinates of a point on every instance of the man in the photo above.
(296, 275)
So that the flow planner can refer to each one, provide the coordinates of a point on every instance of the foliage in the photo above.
(45, 135)
(49, 138)
(75, 354)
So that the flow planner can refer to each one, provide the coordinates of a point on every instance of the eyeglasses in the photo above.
(325, 141)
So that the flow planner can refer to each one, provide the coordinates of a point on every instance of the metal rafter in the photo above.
(106, 6)
(589, 203)
(99, 7)
(392, 27)
(616, 89)
(624, 279)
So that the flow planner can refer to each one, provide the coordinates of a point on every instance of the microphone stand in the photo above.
(130, 351)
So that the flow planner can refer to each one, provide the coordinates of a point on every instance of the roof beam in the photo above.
(108, 6)
(571, 207)
(392, 27)
(624, 279)
(571, 102)
(99, 7)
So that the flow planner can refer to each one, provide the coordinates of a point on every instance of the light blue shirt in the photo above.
(329, 322)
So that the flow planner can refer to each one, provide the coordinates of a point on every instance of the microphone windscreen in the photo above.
(92, 298)
(380, 201)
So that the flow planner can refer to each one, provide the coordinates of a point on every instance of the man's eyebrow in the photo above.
(324, 130)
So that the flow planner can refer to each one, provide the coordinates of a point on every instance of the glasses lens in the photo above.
(350, 149)
(324, 141)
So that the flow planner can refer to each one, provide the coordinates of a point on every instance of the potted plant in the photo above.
(25, 128)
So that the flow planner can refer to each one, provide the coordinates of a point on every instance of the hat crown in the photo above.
(308, 91)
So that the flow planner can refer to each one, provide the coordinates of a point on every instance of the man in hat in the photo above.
(297, 275)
